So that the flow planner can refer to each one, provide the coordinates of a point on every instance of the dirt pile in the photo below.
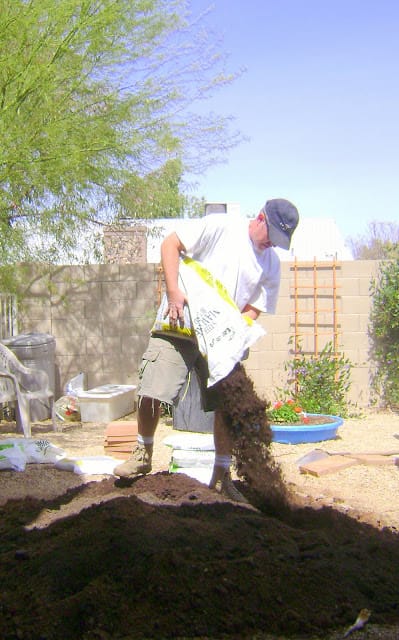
(165, 557)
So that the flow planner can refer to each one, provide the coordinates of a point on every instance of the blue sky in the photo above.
(319, 102)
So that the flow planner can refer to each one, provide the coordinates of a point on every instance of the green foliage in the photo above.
(288, 411)
(157, 195)
(8, 282)
(384, 333)
(381, 242)
(95, 101)
(319, 384)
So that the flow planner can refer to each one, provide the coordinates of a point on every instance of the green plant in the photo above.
(287, 411)
(319, 383)
(384, 334)
(113, 83)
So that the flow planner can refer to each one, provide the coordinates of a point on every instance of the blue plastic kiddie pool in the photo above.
(298, 433)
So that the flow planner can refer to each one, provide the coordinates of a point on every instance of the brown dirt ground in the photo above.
(83, 557)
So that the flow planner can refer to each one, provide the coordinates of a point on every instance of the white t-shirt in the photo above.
(224, 247)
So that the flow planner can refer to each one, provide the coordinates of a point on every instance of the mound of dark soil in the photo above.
(167, 558)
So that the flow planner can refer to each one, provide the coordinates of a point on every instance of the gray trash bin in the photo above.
(36, 350)
(188, 414)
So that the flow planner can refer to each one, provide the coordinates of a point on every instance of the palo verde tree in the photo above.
(159, 194)
(96, 116)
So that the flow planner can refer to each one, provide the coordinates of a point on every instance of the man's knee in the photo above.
(146, 403)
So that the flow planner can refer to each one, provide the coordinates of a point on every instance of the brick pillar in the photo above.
(125, 245)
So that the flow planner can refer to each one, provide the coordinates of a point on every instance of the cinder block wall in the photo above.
(266, 360)
(100, 316)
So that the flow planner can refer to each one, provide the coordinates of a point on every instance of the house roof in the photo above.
(314, 238)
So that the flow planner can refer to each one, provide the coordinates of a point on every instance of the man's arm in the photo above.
(171, 248)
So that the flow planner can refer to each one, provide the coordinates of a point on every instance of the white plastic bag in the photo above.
(12, 457)
(90, 465)
(75, 385)
(35, 450)
(202, 474)
(41, 451)
(192, 458)
(192, 441)
(67, 409)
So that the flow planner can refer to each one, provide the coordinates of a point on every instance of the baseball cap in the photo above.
(282, 218)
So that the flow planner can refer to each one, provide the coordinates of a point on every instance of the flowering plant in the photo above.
(72, 409)
(287, 411)
(67, 408)
(319, 383)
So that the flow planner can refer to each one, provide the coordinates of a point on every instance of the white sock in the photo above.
(145, 440)
(222, 461)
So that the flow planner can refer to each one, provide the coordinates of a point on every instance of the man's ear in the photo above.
(261, 216)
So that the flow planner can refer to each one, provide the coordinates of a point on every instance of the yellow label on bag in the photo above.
(162, 325)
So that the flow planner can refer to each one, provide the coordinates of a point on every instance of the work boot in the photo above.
(138, 464)
(226, 487)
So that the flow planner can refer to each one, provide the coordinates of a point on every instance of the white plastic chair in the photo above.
(19, 385)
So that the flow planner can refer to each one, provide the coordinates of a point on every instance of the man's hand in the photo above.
(175, 308)
(251, 312)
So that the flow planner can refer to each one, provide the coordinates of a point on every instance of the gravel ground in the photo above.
(366, 491)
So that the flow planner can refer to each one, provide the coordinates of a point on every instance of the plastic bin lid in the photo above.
(29, 339)
(106, 391)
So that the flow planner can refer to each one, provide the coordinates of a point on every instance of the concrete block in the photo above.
(364, 287)
(102, 273)
(71, 295)
(104, 345)
(328, 465)
(68, 274)
(33, 325)
(148, 292)
(138, 272)
(119, 291)
(358, 304)
(142, 307)
(70, 328)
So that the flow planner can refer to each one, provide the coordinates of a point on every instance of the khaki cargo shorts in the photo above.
(165, 368)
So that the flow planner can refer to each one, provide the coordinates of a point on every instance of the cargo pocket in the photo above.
(151, 355)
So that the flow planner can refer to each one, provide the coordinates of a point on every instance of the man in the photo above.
(240, 255)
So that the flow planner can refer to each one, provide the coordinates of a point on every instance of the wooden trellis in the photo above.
(315, 297)
(160, 284)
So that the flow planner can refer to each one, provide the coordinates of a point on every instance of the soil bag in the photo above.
(162, 326)
(223, 333)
